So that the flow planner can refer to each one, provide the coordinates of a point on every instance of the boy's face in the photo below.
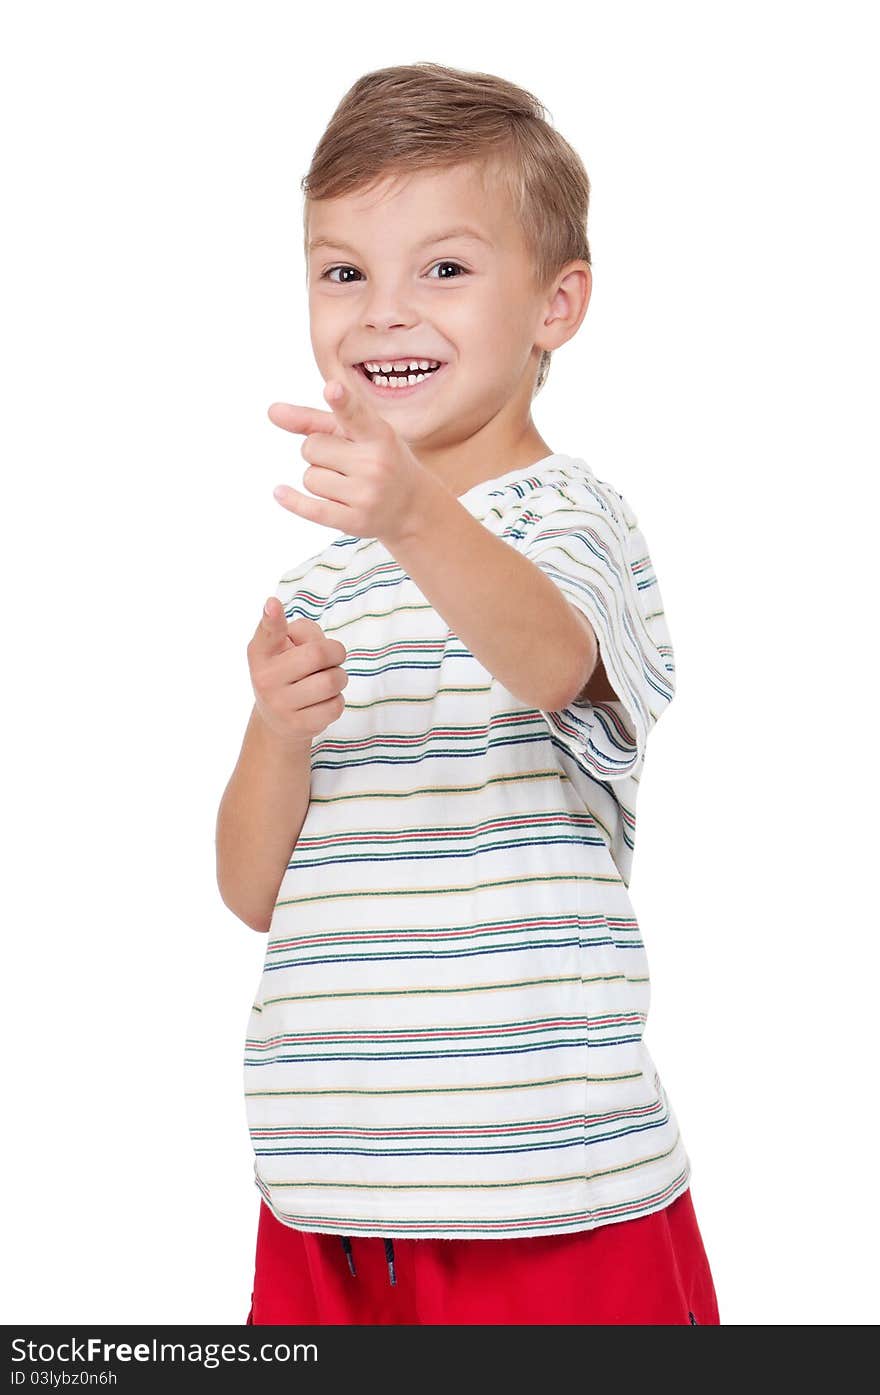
(385, 284)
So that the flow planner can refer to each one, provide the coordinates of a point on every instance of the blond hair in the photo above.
(420, 116)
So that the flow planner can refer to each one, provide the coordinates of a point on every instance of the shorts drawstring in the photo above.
(389, 1256)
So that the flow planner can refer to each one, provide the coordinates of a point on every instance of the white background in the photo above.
(153, 306)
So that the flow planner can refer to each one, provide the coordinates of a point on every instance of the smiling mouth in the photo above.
(395, 379)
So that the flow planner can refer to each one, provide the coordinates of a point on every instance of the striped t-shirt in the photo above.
(447, 1033)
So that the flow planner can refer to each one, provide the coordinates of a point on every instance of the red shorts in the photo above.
(652, 1269)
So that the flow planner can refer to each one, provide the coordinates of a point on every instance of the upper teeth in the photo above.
(402, 365)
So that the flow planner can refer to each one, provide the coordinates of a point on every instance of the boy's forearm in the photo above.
(511, 616)
(259, 820)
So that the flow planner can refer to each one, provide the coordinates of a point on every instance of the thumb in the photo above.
(275, 632)
(271, 633)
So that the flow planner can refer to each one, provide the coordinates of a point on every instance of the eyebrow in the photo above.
(426, 242)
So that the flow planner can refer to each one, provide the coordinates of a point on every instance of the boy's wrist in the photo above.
(422, 515)
(279, 740)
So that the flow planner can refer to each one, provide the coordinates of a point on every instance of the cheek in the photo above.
(489, 321)
(497, 344)
(328, 319)
(327, 337)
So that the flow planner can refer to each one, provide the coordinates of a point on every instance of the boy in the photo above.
(454, 1115)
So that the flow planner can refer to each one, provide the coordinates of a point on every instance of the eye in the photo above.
(326, 275)
(462, 269)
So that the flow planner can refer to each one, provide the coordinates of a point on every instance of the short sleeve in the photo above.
(306, 589)
(585, 537)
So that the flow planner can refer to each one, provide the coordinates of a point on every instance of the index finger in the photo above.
(302, 421)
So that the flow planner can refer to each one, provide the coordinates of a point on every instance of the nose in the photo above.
(387, 305)
(389, 321)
